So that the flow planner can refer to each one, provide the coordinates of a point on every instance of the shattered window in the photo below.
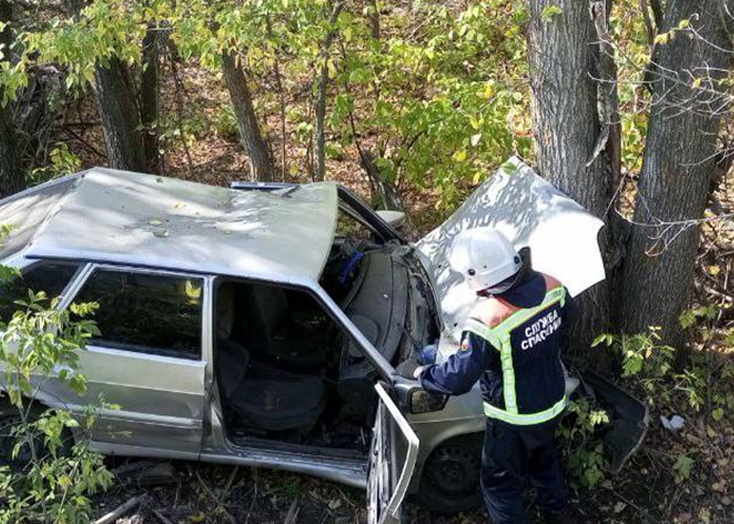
(147, 312)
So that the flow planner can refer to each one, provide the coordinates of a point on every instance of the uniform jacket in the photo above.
(539, 381)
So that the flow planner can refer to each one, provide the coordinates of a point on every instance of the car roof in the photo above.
(122, 217)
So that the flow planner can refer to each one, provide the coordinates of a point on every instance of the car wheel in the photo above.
(450, 479)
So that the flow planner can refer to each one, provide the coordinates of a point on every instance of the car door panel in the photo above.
(160, 399)
(393, 455)
(147, 369)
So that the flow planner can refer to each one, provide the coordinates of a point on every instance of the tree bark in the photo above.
(322, 94)
(12, 178)
(677, 169)
(118, 109)
(150, 98)
(252, 140)
(566, 127)
(120, 117)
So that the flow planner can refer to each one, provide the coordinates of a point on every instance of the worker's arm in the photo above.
(461, 371)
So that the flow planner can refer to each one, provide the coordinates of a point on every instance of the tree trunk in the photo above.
(150, 98)
(678, 165)
(119, 113)
(566, 127)
(118, 109)
(322, 94)
(252, 140)
(12, 178)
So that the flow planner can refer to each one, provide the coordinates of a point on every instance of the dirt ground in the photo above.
(643, 493)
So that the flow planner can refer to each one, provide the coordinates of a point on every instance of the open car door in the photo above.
(393, 453)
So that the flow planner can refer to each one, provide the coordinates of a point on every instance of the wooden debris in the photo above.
(122, 510)
(160, 516)
(293, 512)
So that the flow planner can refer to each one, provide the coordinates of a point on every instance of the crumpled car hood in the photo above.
(531, 212)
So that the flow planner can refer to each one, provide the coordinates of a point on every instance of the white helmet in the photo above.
(484, 257)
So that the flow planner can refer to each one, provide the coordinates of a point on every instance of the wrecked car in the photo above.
(261, 324)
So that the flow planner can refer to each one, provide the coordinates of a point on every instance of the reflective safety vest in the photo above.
(500, 337)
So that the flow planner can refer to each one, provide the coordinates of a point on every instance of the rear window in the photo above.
(51, 277)
(26, 212)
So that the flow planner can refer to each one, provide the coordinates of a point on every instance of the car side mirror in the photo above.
(394, 218)
(414, 399)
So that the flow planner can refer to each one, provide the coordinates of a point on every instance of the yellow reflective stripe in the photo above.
(526, 419)
(479, 328)
(508, 375)
(557, 294)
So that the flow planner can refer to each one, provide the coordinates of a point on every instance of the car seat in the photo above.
(276, 331)
(258, 396)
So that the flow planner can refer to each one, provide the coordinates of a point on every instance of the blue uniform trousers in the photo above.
(511, 457)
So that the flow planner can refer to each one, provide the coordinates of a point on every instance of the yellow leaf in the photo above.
(193, 291)
(662, 38)
(197, 518)
(488, 91)
(460, 155)
(696, 83)
(714, 270)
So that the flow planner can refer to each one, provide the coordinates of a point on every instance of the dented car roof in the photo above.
(130, 218)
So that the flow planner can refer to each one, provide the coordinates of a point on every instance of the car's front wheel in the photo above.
(450, 479)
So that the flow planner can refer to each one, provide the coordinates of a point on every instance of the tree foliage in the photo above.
(430, 97)
(45, 475)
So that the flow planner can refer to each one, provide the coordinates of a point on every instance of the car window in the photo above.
(349, 227)
(51, 277)
(146, 312)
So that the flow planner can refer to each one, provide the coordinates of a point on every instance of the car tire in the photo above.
(450, 479)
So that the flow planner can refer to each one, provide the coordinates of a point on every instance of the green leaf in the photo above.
(682, 468)
(550, 12)
(717, 414)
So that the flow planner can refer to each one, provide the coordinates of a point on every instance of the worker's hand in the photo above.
(418, 372)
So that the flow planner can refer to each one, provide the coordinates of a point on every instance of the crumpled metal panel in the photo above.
(131, 218)
(530, 212)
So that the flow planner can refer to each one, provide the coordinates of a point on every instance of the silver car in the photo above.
(261, 324)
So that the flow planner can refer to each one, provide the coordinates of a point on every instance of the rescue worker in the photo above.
(511, 343)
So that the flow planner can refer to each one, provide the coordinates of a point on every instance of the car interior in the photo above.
(277, 361)
(285, 369)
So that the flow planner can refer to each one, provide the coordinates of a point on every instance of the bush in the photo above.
(45, 476)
